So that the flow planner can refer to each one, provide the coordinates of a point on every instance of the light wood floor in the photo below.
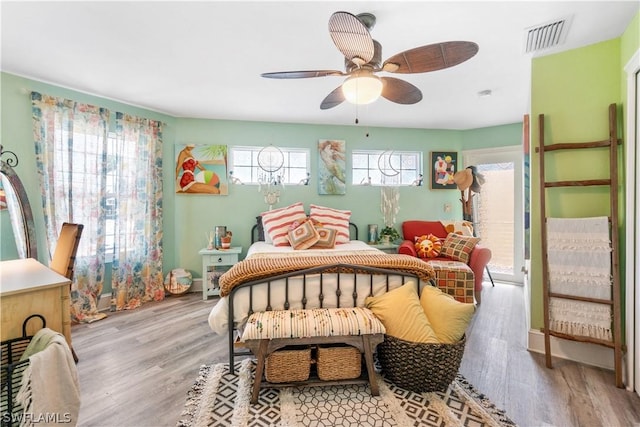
(135, 367)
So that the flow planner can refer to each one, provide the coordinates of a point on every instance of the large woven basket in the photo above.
(420, 367)
(338, 362)
(288, 365)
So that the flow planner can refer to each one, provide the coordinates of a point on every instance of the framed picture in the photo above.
(443, 165)
(332, 174)
(202, 169)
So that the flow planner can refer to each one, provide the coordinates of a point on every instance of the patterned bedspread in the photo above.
(264, 266)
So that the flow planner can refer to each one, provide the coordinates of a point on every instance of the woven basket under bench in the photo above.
(289, 364)
(332, 362)
(420, 367)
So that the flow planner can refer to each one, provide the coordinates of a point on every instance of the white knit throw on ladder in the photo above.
(579, 256)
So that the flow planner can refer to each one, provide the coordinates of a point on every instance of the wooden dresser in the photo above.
(28, 287)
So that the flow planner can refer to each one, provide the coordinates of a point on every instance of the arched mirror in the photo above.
(18, 206)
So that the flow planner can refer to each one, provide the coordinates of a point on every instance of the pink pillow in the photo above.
(276, 222)
(332, 218)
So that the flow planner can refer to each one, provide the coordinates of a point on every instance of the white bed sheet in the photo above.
(218, 317)
(351, 247)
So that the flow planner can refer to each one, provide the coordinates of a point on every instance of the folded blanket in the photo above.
(50, 390)
(255, 268)
(579, 260)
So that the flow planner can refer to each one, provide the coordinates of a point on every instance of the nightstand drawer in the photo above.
(214, 263)
(221, 259)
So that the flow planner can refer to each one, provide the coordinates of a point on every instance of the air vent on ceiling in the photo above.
(546, 36)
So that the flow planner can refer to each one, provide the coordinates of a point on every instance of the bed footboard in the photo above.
(327, 286)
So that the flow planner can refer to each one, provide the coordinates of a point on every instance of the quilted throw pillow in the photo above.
(326, 238)
(428, 246)
(276, 222)
(303, 236)
(332, 218)
(458, 247)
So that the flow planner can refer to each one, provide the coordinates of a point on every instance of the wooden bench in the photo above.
(269, 331)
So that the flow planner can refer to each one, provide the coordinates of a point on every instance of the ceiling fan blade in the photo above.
(334, 99)
(351, 37)
(431, 57)
(400, 91)
(302, 74)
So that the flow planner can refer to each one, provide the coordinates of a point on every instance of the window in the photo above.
(111, 199)
(371, 167)
(80, 166)
(245, 168)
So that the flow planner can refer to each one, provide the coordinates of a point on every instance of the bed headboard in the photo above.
(257, 232)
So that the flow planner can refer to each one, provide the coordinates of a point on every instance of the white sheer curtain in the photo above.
(111, 186)
(71, 141)
(137, 259)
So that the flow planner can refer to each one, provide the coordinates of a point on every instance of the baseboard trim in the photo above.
(105, 299)
(104, 304)
(196, 286)
(587, 353)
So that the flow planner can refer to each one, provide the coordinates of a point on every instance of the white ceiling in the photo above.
(204, 59)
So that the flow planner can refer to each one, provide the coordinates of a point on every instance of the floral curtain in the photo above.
(137, 261)
(70, 142)
(111, 185)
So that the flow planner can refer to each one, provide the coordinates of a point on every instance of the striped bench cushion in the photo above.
(315, 322)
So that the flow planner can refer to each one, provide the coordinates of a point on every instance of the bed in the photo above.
(281, 278)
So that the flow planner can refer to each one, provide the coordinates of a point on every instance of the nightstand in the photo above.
(214, 263)
(390, 248)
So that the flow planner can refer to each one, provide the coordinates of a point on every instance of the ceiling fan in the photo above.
(362, 59)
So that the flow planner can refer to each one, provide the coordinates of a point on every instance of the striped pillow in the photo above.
(276, 222)
(332, 218)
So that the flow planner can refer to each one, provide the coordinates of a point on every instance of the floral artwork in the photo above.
(201, 169)
(444, 165)
(331, 167)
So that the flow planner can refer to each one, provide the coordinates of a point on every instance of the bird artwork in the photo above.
(332, 176)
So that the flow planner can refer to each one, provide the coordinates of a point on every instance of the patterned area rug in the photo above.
(221, 399)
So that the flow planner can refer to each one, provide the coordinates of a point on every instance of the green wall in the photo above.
(187, 218)
(573, 90)
(195, 215)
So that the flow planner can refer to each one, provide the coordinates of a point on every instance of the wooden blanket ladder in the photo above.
(611, 144)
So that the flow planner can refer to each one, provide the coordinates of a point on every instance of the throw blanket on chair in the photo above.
(50, 391)
(265, 266)
(579, 258)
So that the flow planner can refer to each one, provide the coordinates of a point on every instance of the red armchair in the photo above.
(478, 260)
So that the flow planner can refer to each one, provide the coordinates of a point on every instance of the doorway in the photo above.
(632, 319)
(498, 209)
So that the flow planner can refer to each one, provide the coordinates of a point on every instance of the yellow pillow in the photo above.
(449, 318)
(400, 312)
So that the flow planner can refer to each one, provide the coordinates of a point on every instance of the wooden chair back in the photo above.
(64, 256)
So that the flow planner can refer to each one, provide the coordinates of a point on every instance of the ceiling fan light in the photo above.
(362, 89)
